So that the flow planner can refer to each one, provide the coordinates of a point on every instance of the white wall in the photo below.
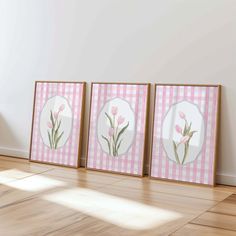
(179, 41)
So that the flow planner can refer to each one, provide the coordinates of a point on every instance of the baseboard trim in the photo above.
(220, 178)
(14, 152)
(226, 179)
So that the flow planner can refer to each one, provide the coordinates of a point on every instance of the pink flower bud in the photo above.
(62, 107)
(184, 139)
(114, 110)
(111, 132)
(182, 115)
(120, 120)
(50, 125)
(178, 129)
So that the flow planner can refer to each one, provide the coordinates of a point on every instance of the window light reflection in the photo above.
(35, 183)
(115, 210)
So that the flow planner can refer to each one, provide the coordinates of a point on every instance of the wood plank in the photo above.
(216, 220)
(84, 176)
(24, 166)
(14, 159)
(113, 215)
(226, 188)
(198, 230)
(183, 204)
(37, 185)
(176, 188)
(65, 201)
(95, 227)
(38, 215)
(228, 206)
(9, 175)
(35, 217)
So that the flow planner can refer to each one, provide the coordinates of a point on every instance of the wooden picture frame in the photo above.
(185, 133)
(57, 123)
(118, 113)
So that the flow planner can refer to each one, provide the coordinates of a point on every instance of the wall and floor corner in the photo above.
(170, 41)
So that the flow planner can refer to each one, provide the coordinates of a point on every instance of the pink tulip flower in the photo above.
(111, 132)
(62, 107)
(120, 120)
(114, 110)
(184, 139)
(182, 115)
(55, 114)
(178, 129)
(50, 125)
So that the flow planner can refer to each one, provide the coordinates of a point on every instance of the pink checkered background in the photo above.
(68, 154)
(202, 169)
(132, 161)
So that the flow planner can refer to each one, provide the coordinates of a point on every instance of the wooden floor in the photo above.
(47, 200)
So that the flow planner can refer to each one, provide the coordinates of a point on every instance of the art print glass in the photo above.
(57, 121)
(118, 127)
(185, 133)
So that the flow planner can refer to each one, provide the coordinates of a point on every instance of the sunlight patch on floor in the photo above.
(35, 183)
(12, 174)
(115, 210)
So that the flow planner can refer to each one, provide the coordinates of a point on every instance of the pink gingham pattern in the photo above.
(202, 169)
(132, 161)
(68, 154)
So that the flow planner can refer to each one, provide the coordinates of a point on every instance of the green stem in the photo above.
(176, 153)
(186, 148)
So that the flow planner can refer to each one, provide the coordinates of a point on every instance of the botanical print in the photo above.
(183, 132)
(116, 127)
(114, 138)
(54, 132)
(56, 120)
(186, 136)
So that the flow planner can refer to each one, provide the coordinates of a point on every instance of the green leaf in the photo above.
(186, 148)
(110, 120)
(174, 144)
(56, 131)
(50, 141)
(58, 139)
(189, 128)
(192, 133)
(53, 129)
(114, 150)
(52, 137)
(108, 143)
(175, 151)
(121, 132)
(52, 119)
(118, 146)
(185, 130)
(58, 127)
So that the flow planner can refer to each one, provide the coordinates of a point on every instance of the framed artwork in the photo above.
(185, 133)
(57, 123)
(117, 129)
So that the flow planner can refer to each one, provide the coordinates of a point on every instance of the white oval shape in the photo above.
(182, 142)
(56, 122)
(116, 127)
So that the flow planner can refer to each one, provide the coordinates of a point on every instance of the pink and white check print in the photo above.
(132, 161)
(68, 154)
(201, 170)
